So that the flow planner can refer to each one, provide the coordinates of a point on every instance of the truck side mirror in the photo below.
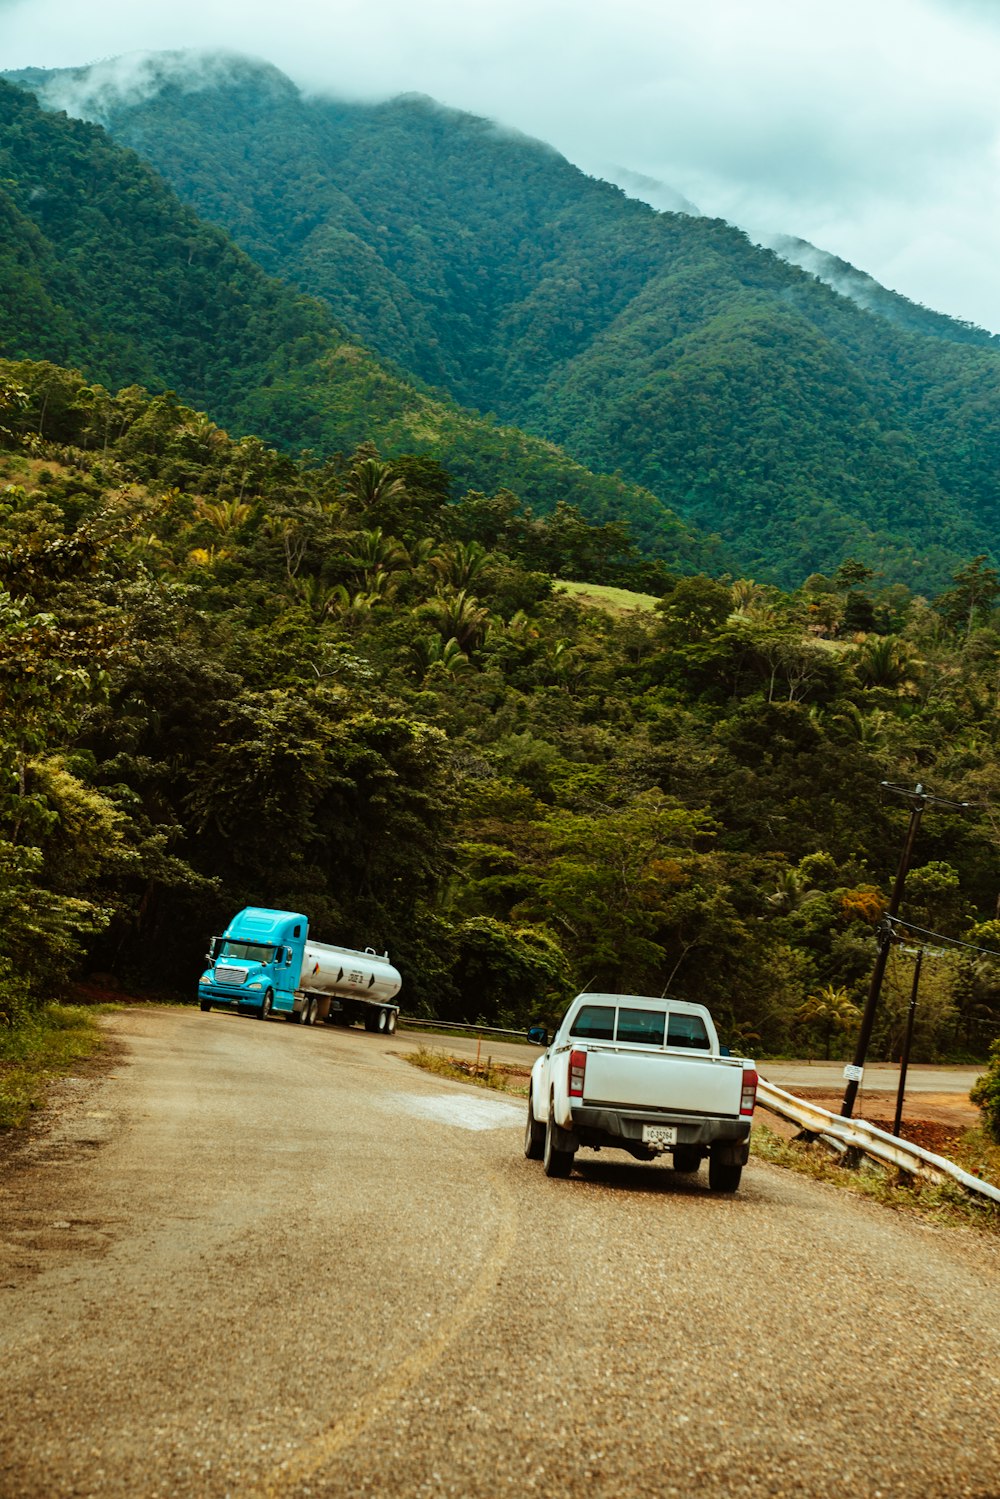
(538, 1035)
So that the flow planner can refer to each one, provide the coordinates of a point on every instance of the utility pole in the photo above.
(918, 799)
(904, 1060)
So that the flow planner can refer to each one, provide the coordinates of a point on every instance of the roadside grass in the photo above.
(947, 1206)
(502, 1077)
(43, 1047)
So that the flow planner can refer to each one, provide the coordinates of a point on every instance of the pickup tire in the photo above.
(555, 1160)
(687, 1159)
(534, 1135)
(265, 1004)
(722, 1175)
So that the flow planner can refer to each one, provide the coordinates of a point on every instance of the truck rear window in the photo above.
(689, 1031)
(597, 1022)
(643, 1026)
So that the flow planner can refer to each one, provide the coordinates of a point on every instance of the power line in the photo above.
(898, 921)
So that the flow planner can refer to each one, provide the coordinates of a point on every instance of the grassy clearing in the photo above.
(503, 1077)
(603, 596)
(947, 1206)
(43, 1047)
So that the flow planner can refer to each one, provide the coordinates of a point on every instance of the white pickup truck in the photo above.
(643, 1075)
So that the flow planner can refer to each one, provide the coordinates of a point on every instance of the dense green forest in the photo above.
(232, 676)
(743, 392)
(104, 270)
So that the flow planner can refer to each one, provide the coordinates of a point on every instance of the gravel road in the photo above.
(256, 1259)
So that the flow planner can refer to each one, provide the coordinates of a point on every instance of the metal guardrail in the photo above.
(858, 1134)
(423, 1022)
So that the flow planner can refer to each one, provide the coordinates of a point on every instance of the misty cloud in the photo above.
(872, 132)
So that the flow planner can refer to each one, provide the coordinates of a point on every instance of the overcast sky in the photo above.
(870, 127)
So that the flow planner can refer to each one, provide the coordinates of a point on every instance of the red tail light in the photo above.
(577, 1068)
(749, 1095)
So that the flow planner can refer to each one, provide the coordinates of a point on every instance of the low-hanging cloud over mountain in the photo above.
(873, 132)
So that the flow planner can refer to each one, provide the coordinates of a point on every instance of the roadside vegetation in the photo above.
(46, 1045)
(948, 1205)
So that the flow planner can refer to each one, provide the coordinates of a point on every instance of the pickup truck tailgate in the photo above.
(652, 1080)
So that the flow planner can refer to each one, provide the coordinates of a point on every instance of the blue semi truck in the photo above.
(265, 963)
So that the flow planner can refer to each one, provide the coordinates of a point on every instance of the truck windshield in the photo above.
(254, 952)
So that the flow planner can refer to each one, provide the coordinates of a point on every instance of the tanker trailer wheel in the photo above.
(390, 1022)
(311, 1009)
(265, 1004)
(383, 1021)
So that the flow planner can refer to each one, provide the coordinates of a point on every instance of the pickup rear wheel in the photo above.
(722, 1176)
(555, 1161)
(534, 1135)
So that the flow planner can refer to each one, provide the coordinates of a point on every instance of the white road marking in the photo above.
(463, 1113)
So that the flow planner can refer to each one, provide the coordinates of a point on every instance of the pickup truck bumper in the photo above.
(622, 1129)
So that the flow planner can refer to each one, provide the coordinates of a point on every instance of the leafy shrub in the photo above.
(986, 1094)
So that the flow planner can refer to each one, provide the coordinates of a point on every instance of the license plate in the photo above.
(659, 1134)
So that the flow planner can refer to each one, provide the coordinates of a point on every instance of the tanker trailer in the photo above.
(265, 963)
(349, 985)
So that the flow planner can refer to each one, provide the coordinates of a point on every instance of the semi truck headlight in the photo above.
(258, 985)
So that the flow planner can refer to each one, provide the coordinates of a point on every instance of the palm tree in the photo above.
(883, 661)
(224, 516)
(457, 613)
(435, 654)
(829, 1009)
(460, 564)
(371, 484)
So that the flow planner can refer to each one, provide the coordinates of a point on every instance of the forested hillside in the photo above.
(229, 676)
(751, 397)
(103, 269)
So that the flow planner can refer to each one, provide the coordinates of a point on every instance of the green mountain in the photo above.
(740, 389)
(105, 270)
